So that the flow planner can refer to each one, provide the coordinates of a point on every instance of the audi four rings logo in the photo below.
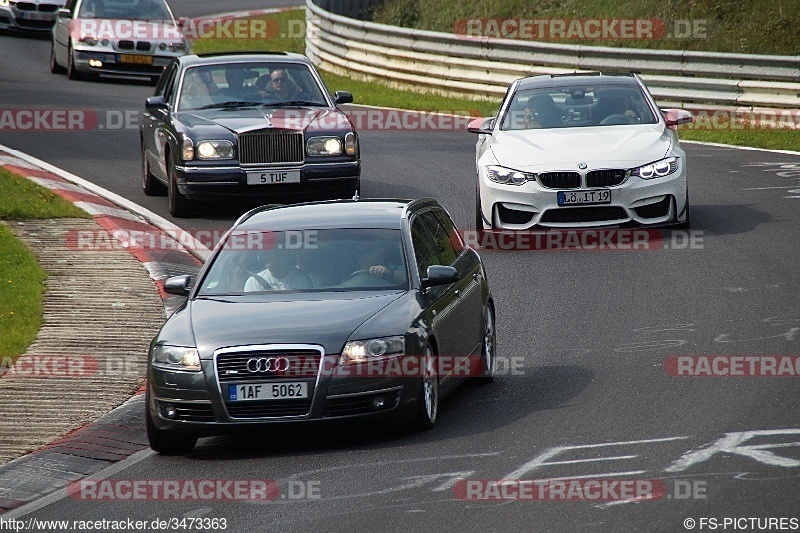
(267, 364)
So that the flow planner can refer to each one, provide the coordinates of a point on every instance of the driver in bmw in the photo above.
(281, 274)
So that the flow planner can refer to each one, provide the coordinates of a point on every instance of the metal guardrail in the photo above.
(486, 66)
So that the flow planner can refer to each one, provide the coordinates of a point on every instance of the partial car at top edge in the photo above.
(132, 38)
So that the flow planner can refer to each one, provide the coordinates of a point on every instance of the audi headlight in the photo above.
(3, 3)
(507, 176)
(659, 169)
(176, 357)
(187, 149)
(360, 351)
(324, 146)
(215, 150)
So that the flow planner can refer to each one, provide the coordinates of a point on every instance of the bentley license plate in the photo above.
(594, 196)
(272, 177)
(267, 391)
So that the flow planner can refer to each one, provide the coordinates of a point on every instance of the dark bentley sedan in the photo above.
(322, 311)
(258, 125)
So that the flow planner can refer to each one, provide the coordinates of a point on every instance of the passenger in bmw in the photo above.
(281, 274)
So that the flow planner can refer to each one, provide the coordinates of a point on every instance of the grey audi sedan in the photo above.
(322, 311)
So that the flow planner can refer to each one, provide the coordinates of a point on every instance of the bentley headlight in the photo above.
(187, 149)
(507, 176)
(215, 150)
(350, 143)
(175, 357)
(324, 146)
(659, 169)
(370, 349)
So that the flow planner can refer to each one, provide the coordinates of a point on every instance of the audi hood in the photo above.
(327, 319)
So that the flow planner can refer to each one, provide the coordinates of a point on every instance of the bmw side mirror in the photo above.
(342, 97)
(440, 275)
(178, 285)
(64, 13)
(481, 125)
(156, 102)
(676, 117)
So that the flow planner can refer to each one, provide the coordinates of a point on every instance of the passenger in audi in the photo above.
(281, 274)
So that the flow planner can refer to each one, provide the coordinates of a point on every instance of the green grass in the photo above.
(22, 283)
(23, 199)
(375, 93)
(290, 36)
(22, 280)
(775, 139)
(743, 26)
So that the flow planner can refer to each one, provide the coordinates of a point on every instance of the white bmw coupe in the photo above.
(580, 150)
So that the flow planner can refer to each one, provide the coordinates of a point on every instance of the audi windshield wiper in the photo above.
(236, 103)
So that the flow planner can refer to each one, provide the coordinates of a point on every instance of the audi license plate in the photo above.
(594, 196)
(273, 176)
(238, 392)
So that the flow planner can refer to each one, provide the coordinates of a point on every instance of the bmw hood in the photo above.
(242, 120)
(597, 146)
(326, 319)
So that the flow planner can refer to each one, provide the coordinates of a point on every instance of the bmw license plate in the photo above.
(272, 177)
(267, 391)
(135, 58)
(594, 196)
(38, 16)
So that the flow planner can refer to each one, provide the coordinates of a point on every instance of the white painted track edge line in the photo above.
(198, 249)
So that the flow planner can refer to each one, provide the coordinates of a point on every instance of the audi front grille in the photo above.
(268, 365)
(262, 148)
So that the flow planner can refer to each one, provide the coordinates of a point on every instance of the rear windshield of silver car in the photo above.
(262, 261)
(574, 107)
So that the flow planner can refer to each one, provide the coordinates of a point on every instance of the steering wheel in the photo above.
(618, 119)
(361, 272)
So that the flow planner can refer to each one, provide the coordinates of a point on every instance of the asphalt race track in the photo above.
(584, 334)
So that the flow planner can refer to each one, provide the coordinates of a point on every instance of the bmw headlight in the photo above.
(214, 150)
(175, 357)
(365, 350)
(507, 176)
(324, 146)
(659, 169)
